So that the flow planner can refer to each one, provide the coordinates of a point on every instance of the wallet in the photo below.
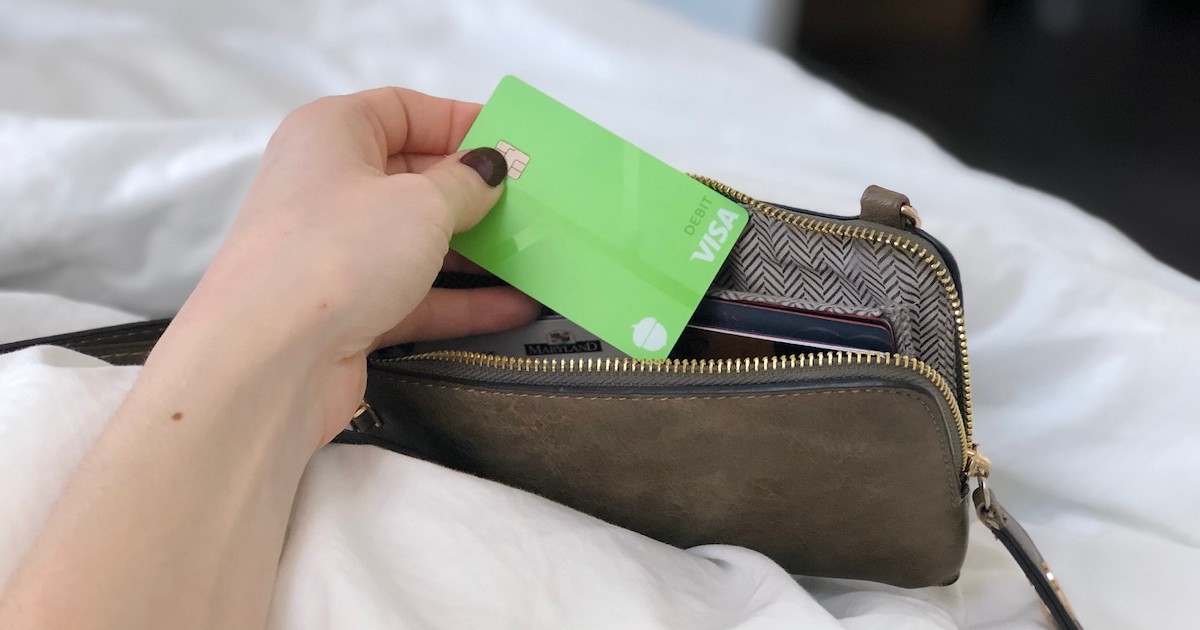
(849, 464)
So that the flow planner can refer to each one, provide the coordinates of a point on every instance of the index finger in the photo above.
(414, 122)
(376, 124)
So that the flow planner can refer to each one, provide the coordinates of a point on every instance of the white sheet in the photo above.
(131, 129)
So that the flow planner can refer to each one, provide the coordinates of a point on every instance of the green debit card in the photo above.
(595, 228)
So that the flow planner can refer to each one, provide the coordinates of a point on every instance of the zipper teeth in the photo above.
(745, 365)
(964, 421)
(879, 236)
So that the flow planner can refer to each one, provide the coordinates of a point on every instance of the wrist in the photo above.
(237, 378)
(195, 474)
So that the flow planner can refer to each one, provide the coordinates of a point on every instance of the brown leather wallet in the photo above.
(849, 464)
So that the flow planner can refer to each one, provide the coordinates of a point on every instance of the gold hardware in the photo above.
(978, 465)
(984, 509)
(1062, 597)
(364, 418)
(910, 213)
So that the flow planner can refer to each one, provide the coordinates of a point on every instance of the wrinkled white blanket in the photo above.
(129, 131)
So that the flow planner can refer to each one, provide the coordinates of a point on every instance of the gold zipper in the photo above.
(901, 243)
(743, 365)
(973, 462)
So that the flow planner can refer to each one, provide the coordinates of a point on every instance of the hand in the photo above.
(177, 515)
(341, 236)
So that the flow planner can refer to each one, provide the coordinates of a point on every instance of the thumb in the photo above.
(469, 184)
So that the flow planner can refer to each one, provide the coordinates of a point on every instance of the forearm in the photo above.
(176, 517)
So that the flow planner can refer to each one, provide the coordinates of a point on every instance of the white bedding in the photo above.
(129, 131)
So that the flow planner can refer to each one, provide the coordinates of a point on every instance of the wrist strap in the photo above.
(1020, 546)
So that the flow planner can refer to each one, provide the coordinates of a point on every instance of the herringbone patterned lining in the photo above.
(778, 263)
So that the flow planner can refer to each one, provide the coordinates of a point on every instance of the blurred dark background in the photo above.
(1095, 101)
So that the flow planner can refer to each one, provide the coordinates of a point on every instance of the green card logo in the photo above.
(650, 335)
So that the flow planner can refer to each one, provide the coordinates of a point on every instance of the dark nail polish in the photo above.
(489, 163)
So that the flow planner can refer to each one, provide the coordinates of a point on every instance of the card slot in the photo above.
(836, 274)
(896, 317)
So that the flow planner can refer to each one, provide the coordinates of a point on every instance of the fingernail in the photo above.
(489, 163)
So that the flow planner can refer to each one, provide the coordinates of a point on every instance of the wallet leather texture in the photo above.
(852, 479)
(847, 465)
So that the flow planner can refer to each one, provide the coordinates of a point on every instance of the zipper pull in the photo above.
(1014, 538)
(888, 207)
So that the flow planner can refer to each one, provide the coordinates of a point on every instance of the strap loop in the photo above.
(1021, 547)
